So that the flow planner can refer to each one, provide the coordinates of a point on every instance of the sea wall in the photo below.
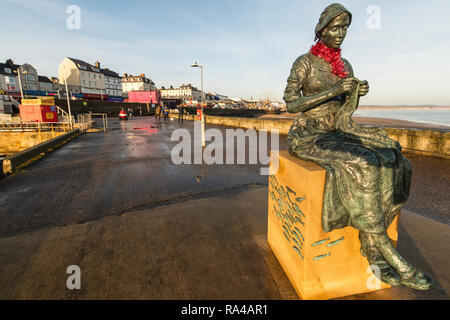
(429, 142)
(15, 141)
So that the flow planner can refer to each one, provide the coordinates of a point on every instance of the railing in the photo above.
(104, 119)
(39, 126)
(84, 122)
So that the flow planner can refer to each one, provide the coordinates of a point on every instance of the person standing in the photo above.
(166, 113)
(180, 113)
(158, 113)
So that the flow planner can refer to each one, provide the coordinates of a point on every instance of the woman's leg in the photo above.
(369, 249)
(409, 275)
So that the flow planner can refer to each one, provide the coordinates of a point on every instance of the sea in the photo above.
(437, 117)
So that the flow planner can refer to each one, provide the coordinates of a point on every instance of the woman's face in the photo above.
(334, 34)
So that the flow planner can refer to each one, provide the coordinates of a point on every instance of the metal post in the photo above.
(20, 82)
(203, 122)
(68, 101)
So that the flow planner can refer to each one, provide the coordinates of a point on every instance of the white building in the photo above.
(136, 83)
(184, 92)
(82, 77)
(113, 83)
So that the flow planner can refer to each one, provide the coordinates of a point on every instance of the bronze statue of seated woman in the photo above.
(368, 178)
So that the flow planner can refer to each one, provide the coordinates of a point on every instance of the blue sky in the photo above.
(247, 47)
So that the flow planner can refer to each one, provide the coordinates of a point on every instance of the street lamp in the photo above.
(68, 99)
(20, 80)
(202, 121)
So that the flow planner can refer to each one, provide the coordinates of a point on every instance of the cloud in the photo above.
(247, 47)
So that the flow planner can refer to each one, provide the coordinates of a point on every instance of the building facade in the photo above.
(12, 84)
(82, 77)
(185, 93)
(9, 82)
(29, 77)
(136, 83)
(45, 84)
(113, 83)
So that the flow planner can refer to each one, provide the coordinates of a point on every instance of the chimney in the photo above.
(97, 64)
(125, 75)
(10, 63)
(142, 75)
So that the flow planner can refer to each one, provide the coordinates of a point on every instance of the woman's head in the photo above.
(332, 26)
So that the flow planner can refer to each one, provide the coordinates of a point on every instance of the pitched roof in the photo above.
(110, 73)
(81, 65)
(4, 65)
(44, 79)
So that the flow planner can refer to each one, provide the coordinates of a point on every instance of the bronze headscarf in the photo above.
(330, 12)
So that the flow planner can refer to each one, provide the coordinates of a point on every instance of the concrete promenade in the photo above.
(141, 227)
(207, 248)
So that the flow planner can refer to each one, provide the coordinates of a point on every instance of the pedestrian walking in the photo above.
(140, 110)
(180, 113)
(166, 113)
(158, 113)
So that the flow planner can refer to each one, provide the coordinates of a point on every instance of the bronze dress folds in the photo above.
(368, 178)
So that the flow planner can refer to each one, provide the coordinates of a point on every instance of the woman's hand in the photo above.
(344, 86)
(363, 88)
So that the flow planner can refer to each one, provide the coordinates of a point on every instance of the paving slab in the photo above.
(201, 248)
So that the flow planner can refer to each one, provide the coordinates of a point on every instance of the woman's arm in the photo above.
(293, 96)
(303, 103)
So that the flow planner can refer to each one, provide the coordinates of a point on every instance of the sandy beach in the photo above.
(393, 123)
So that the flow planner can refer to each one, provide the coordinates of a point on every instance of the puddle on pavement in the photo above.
(143, 131)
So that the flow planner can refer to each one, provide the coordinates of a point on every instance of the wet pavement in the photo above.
(129, 168)
(207, 248)
(142, 227)
(101, 174)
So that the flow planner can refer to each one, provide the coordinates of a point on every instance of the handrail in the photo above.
(44, 126)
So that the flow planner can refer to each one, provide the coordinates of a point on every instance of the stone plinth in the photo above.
(319, 265)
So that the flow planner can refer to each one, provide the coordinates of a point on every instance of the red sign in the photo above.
(199, 114)
(38, 113)
(144, 96)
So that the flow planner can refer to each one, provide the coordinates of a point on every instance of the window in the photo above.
(82, 74)
(90, 83)
(10, 80)
(94, 76)
(7, 70)
(89, 75)
(84, 82)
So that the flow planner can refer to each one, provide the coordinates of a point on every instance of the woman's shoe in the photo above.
(417, 280)
(387, 274)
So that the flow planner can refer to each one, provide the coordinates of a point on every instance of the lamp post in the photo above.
(68, 100)
(20, 80)
(202, 121)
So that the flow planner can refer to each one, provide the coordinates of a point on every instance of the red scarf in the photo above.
(332, 56)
